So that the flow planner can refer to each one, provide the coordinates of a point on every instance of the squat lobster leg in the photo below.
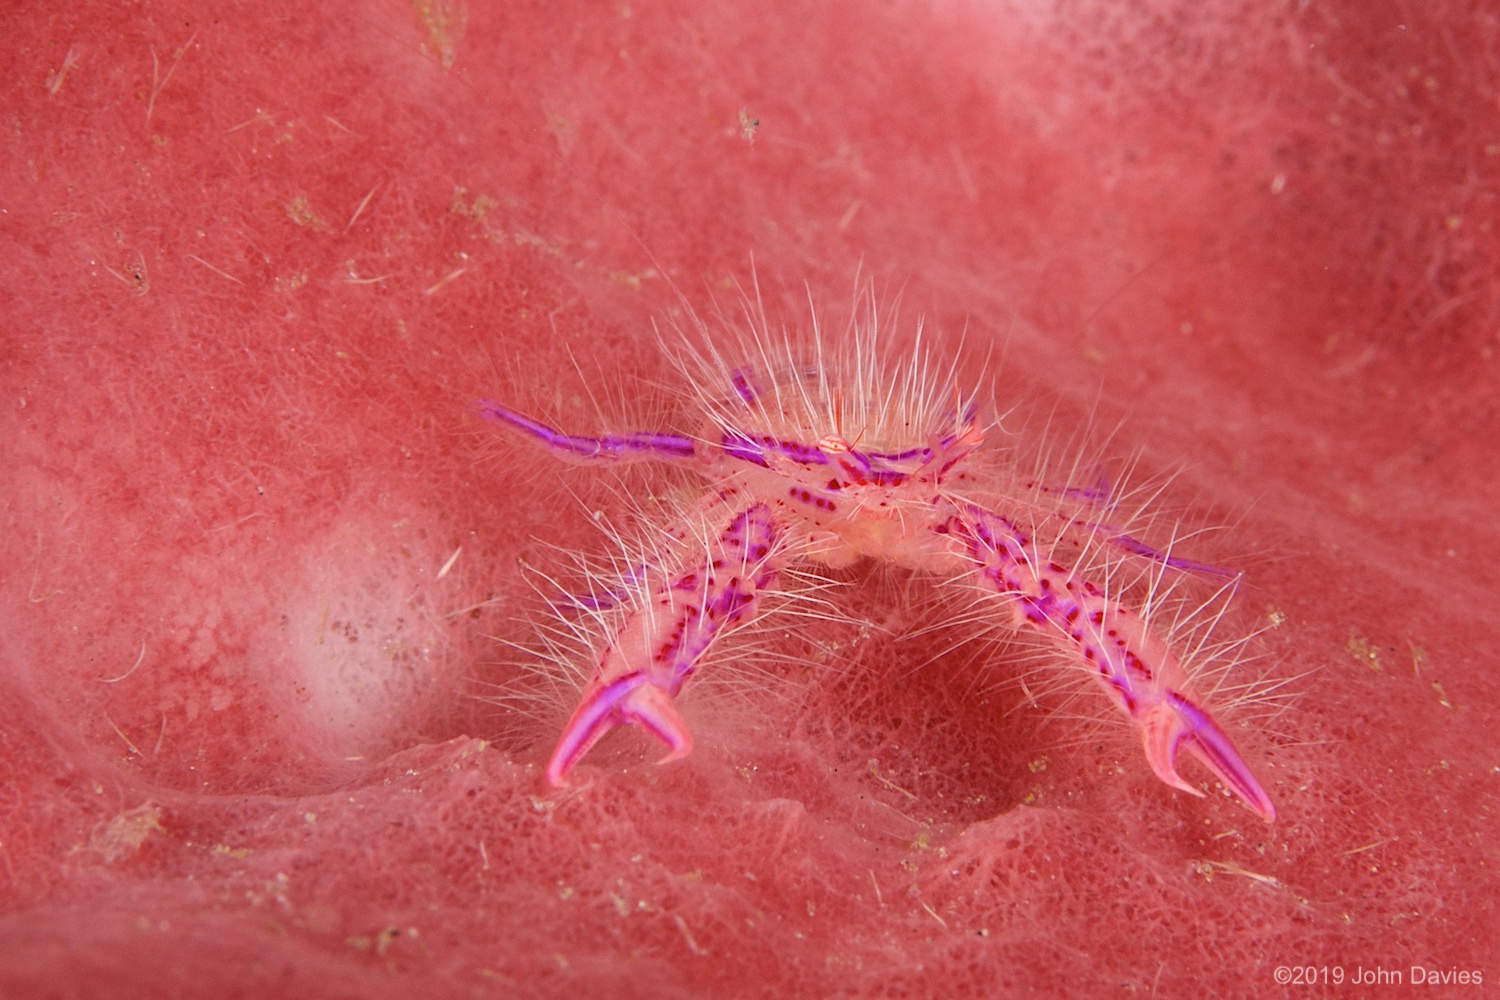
(664, 639)
(639, 447)
(1128, 660)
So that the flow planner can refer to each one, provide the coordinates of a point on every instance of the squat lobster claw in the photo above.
(664, 639)
(1175, 724)
(631, 699)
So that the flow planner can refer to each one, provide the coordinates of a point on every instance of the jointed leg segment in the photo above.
(1127, 659)
(664, 638)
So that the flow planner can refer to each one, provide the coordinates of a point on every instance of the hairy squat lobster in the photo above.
(845, 454)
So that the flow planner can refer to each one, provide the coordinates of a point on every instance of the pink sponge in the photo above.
(264, 568)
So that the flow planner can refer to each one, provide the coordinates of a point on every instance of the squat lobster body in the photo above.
(831, 459)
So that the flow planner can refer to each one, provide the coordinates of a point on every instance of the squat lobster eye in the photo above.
(834, 445)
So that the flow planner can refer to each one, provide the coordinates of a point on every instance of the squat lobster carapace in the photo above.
(842, 455)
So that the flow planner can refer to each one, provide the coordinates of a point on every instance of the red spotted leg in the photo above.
(661, 643)
(1126, 658)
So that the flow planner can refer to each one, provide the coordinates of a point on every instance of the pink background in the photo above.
(260, 259)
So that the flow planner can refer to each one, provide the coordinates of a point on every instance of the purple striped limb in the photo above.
(635, 447)
(1139, 548)
(1101, 494)
(1123, 655)
(662, 642)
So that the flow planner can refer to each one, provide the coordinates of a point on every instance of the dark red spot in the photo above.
(1135, 663)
